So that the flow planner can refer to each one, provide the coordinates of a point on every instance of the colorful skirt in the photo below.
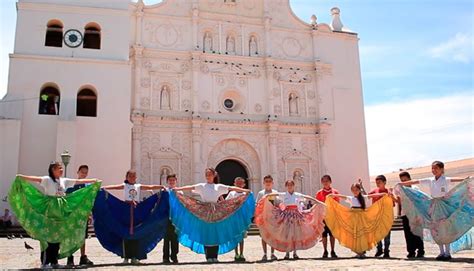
(50, 219)
(360, 229)
(115, 223)
(443, 220)
(289, 229)
(200, 224)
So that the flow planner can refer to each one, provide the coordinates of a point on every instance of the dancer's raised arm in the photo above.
(34, 179)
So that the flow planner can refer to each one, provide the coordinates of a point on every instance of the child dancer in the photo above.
(56, 220)
(171, 239)
(288, 228)
(200, 224)
(138, 226)
(321, 196)
(359, 228)
(268, 189)
(447, 214)
(238, 182)
(380, 181)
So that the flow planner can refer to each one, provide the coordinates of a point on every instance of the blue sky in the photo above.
(417, 69)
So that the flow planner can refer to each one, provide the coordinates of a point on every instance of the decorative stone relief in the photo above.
(145, 102)
(311, 95)
(166, 35)
(147, 64)
(186, 104)
(277, 109)
(242, 82)
(186, 84)
(206, 105)
(204, 68)
(276, 92)
(258, 108)
(291, 47)
(312, 110)
(145, 82)
(220, 80)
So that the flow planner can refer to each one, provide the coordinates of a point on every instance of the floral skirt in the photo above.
(289, 229)
(360, 229)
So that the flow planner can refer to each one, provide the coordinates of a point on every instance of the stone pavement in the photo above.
(13, 255)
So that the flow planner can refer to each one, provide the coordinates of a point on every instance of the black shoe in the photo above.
(333, 254)
(325, 254)
(166, 261)
(420, 254)
(447, 257)
(386, 255)
(70, 261)
(411, 255)
(85, 261)
(440, 257)
(174, 259)
(378, 253)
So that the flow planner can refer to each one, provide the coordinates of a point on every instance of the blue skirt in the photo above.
(227, 231)
(112, 222)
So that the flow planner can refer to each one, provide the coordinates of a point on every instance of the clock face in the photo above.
(73, 38)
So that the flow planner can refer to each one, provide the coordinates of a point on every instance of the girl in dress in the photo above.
(287, 227)
(208, 226)
(446, 214)
(131, 228)
(57, 220)
(359, 228)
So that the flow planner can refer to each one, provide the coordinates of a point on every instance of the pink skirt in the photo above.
(289, 229)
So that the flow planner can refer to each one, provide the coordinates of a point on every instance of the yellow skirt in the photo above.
(357, 229)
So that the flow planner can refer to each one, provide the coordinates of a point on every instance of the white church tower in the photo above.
(69, 87)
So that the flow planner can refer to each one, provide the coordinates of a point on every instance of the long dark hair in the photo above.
(216, 175)
(359, 197)
(53, 165)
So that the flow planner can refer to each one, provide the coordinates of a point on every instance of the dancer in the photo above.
(415, 246)
(447, 214)
(321, 196)
(287, 227)
(209, 226)
(57, 220)
(82, 173)
(359, 228)
(238, 182)
(268, 189)
(380, 181)
(131, 228)
(171, 239)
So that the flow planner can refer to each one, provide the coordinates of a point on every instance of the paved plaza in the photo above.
(13, 255)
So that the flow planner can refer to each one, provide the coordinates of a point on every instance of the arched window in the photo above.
(86, 103)
(92, 36)
(54, 34)
(49, 101)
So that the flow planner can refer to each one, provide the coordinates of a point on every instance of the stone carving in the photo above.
(220, 80)
(206, 105)
(204, 68)
(291, 47)
(166, 35)
(258, 108)
(145, 82)
(311, 95)
(312, 110)
(253, 46)
(185, 67)
(165, 103)
(276, 92)
(145, 102)
(147, 64)
(230, 45)
(277, 109)
(186, 85)
(207, 42)
(242, 82)
(293, 104)
(186, 104)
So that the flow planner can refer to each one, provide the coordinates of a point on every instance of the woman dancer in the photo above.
(208, 226)
(287, 227)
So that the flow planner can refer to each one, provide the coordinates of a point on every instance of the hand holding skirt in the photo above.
(359, 229)
(200, 224)
(51, 219)
(444, 219)
(289, 229)
(113, 223)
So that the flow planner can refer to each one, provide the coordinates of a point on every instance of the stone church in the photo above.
(244, 86)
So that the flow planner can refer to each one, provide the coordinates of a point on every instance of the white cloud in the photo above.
(457, 49)
(416, 132)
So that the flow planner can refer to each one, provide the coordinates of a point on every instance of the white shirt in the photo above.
(210, 192)
(292, 199)
(397, 192)
(234, 194)
(438, 188)
(263, 193)
(131, 192)
(355, 202)
(58, 188)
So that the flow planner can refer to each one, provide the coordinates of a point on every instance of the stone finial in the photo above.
(336, 23)
(314, 20)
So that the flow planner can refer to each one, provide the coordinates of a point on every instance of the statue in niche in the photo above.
(207, 42)
(293, 103)
(165, 98)
(298, 178)
(253, 47)
(230, 45)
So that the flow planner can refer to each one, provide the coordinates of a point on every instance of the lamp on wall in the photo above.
(65, 158)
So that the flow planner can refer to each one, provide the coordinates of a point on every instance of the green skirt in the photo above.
(51, 219)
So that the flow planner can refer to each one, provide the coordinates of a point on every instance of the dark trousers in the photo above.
(414, 242)
(50, 255)
(131, 250)
(386, 244)
(170, 242)
(211, 252)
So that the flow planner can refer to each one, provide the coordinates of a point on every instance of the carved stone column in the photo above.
(137, 130)
(273, 140)
(197, 163)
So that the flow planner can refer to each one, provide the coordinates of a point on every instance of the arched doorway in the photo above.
(229, 170)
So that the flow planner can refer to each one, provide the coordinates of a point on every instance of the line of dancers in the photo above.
(201, 219)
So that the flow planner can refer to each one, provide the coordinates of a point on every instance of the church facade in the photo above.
(243, 86)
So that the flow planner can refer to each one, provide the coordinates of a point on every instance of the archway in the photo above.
(229, 170)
